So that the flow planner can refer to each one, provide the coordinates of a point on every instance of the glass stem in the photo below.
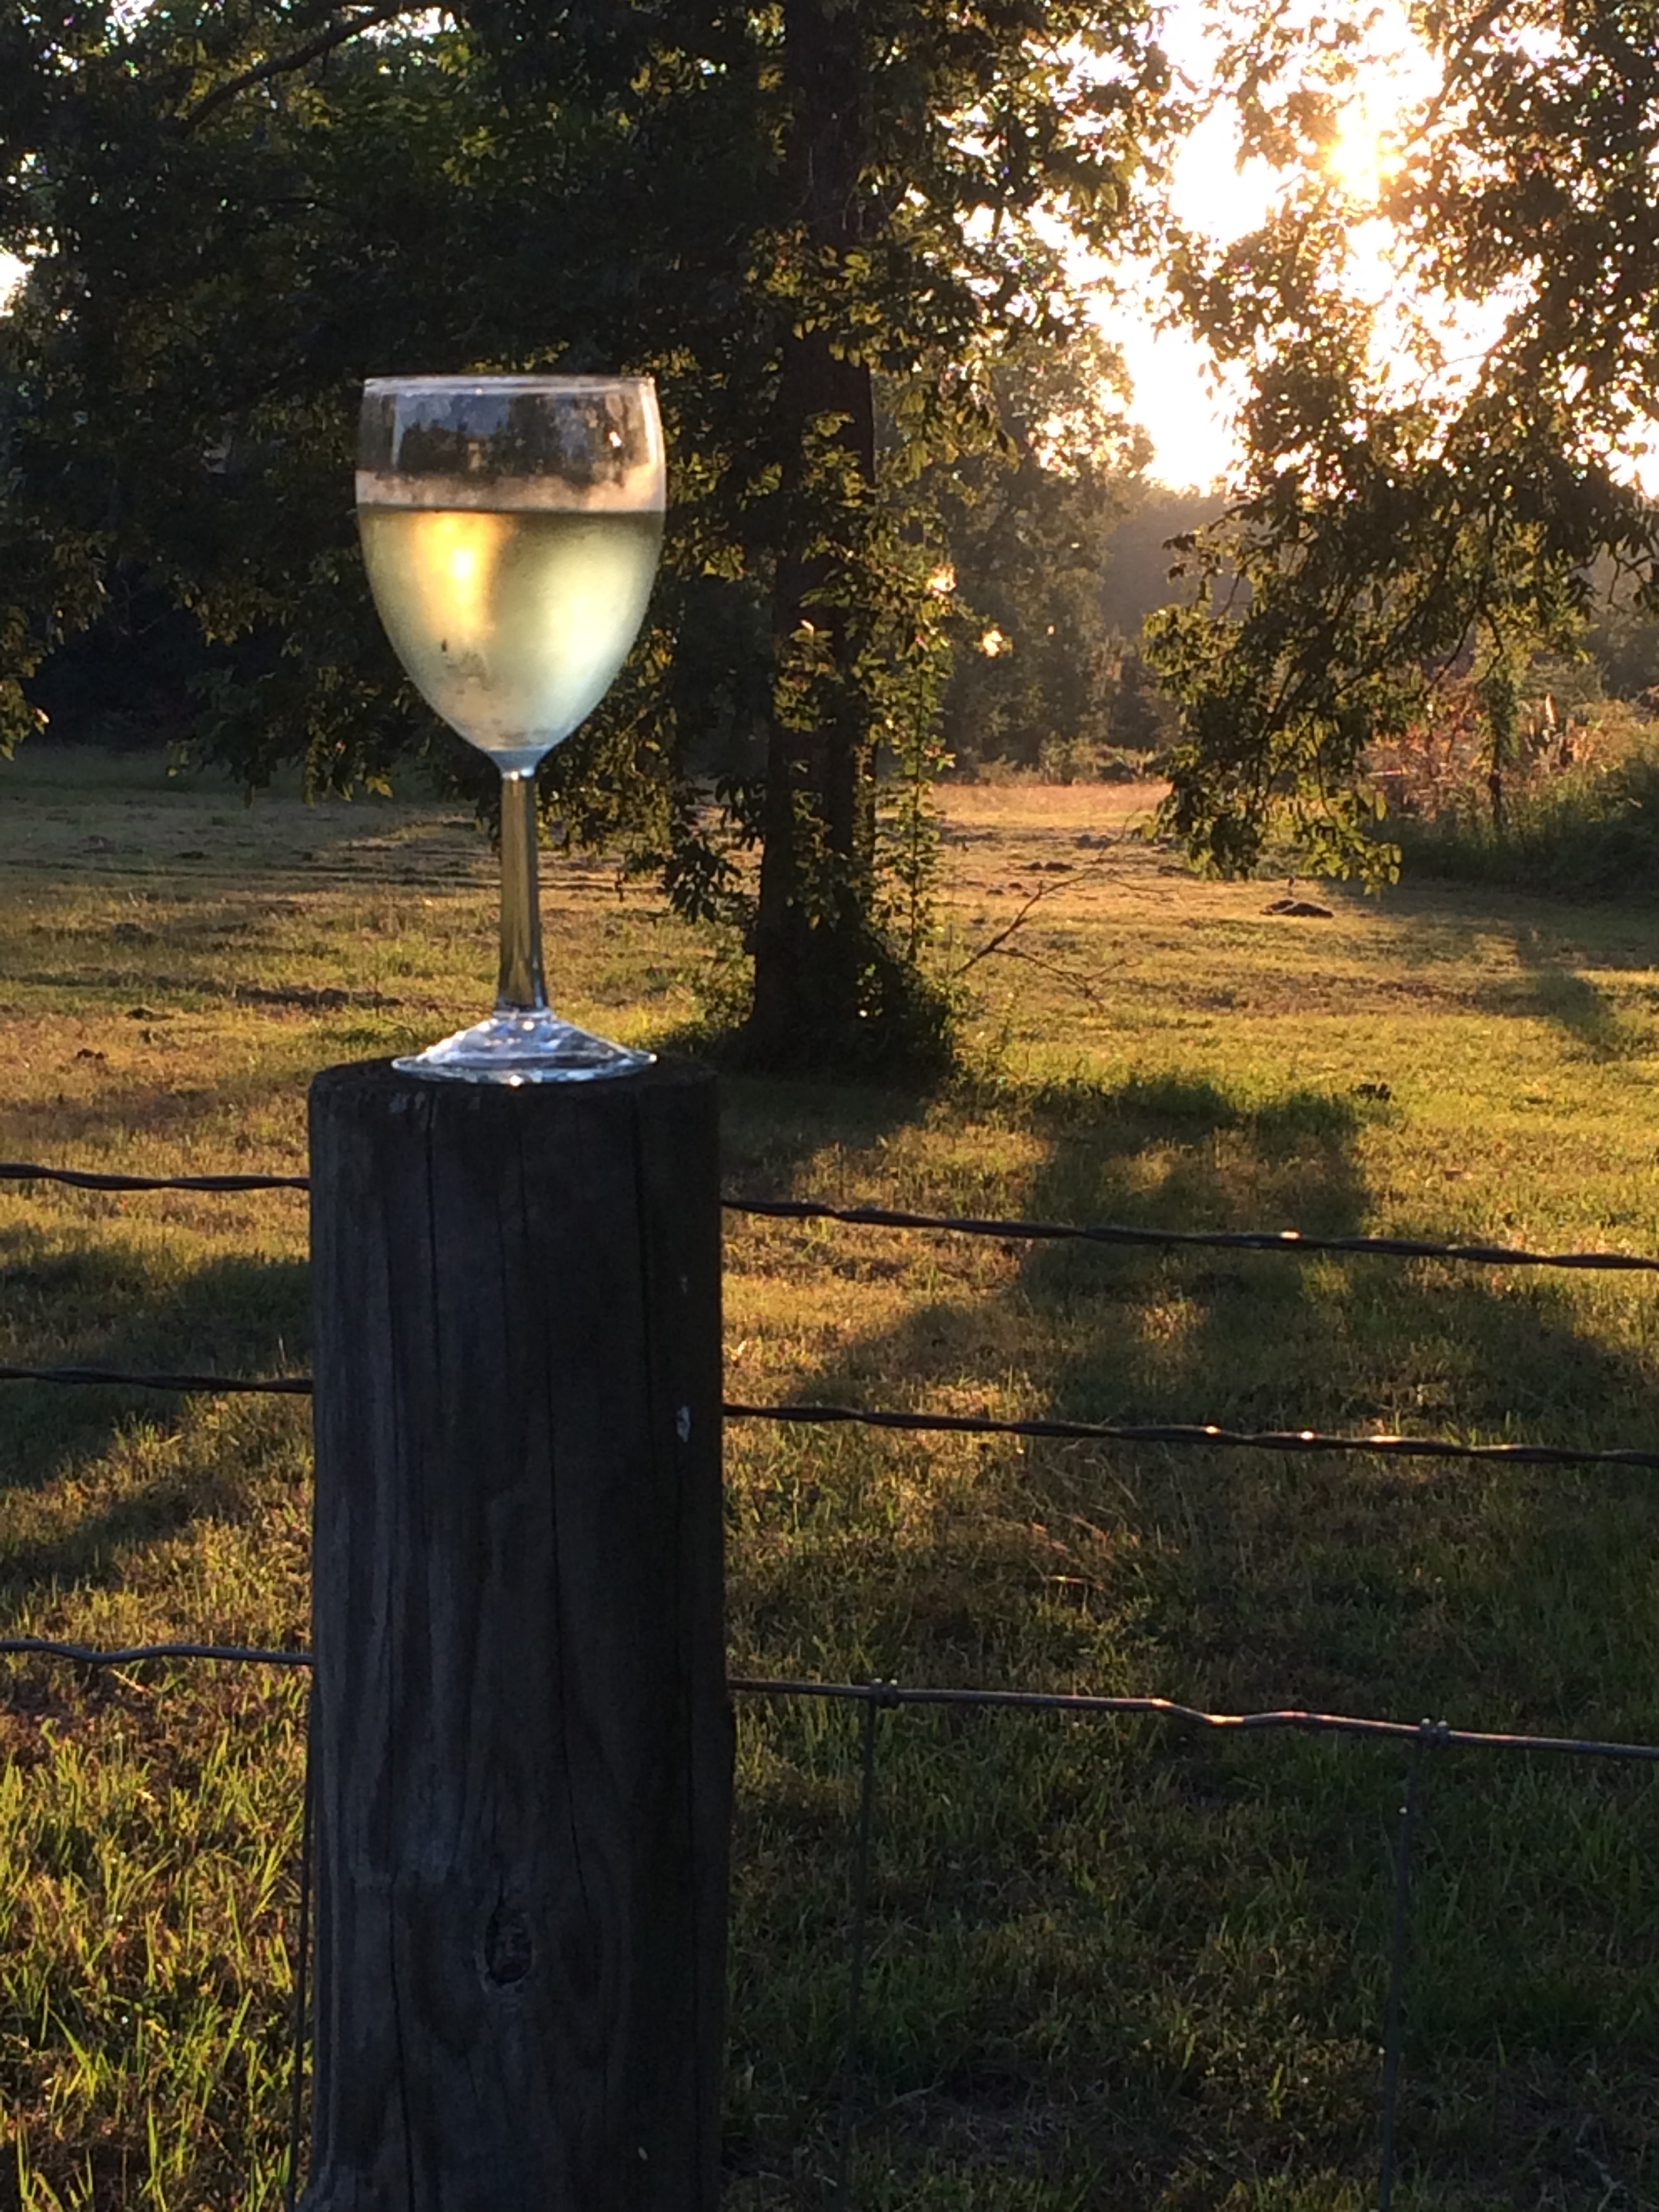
(522, 989)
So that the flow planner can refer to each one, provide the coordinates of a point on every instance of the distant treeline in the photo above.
(1053, 585)
(1055, 572)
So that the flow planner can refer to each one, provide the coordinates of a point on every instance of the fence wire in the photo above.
(95, 1179)
(1294, 1242)
(881, 1698)
(1397, 1941)
(286, 1385)
(877, 1699)
(1205, 1435)
(892, 1695)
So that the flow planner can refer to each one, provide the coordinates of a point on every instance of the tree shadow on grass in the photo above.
(770, 1128)
(1588, 1012)
(1169, 1950)
(106, 1308)
(49, 1129)
(1550, 952)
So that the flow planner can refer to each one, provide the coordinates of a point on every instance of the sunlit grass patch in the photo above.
(1107, 1963)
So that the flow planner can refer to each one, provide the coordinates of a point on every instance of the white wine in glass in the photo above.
(511, 527)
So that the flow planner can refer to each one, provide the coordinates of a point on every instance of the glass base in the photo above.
(530, 1046)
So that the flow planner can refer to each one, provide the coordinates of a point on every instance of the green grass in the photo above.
(1110, 1964)
(1588, 832)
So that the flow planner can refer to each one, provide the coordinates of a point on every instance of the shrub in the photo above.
(1590, 830)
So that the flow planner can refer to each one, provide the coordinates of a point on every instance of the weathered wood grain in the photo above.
(524, 1739)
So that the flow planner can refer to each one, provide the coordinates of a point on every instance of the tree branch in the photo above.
(1072, 978)
(999, 943)
(336, 34)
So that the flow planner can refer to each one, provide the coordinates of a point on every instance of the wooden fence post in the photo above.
(523, 1735)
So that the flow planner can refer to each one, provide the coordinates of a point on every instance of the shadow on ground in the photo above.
(1113, 1963)
(1110, 1964)
(232, 1316)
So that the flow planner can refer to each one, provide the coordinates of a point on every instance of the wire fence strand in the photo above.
(300, 2035)
(863, 1852)
(889, 1696)
(287, 1386)
(1294, 1719)
(85, 1655)
(1394, 2020)
(95, 1179)
(1202, 1435)
(1295, 1243)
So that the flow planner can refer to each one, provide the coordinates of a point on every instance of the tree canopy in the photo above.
(840, 233)
(1419, 499)
(800, 218)
(1028, 527)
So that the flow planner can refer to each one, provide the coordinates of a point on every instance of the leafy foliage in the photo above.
(232, 214)
(208, 267)
(1027, 524)
(1591, 832)
(1403, 518)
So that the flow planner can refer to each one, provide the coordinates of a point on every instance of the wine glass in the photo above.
(511, 525)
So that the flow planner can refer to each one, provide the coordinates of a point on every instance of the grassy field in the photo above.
(1111, 1964)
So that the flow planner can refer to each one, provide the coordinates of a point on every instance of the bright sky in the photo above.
(1176, 399)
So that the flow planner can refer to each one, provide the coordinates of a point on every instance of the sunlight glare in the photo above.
(456, 557)
(1362, 157)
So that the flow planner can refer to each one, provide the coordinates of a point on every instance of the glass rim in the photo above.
(485, 383)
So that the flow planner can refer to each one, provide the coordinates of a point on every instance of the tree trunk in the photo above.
(811, 931)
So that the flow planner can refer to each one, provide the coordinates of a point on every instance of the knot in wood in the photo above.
(508, 1952)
